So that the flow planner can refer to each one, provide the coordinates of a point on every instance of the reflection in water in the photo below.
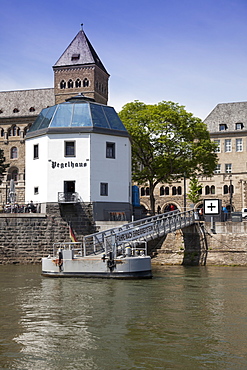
(184, 318)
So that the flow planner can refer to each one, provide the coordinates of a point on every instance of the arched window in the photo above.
(62, 84)
(2, 132)
(14, 131)
(13, 173)
(13, 152)
(179, 190)
(225, 189)
(162, 191)
(174, 190)
(207, 190)
(32, 109)
(212, 189)
(231, 189)
(167, 190)
(78, 83)
(142, 192)
(16, 110)
(147, 191)
(85, 82)
(70, 84)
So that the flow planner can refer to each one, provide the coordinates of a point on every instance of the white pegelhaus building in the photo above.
(80, 152)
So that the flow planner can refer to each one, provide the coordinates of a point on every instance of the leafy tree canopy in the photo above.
(167, 142)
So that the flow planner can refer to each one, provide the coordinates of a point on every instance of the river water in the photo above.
(183, 318)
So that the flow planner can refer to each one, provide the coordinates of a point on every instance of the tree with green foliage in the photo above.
(167, 142)
(194, 193)
(3, 165)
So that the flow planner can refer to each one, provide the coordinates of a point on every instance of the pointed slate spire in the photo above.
(80, 52)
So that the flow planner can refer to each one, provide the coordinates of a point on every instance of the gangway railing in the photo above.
(117, 239)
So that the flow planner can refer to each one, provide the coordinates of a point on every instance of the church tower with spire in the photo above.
(80, 70)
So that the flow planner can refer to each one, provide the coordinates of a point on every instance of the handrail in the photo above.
(116, 239)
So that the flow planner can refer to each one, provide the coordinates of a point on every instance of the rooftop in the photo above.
(78, 112)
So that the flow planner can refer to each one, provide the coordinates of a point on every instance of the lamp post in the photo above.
(231, 192)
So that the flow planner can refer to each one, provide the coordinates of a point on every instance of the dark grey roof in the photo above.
(78, 113)
(79, 52)
(20, 103)
(229, 114)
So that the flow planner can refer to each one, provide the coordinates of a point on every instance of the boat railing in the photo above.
(77, 247)
(132, 248)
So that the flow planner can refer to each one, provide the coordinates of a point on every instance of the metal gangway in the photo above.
(136, 233)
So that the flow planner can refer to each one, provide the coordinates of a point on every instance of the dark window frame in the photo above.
(110, 150)
(36, 151)
(68, 148)
(104, 189)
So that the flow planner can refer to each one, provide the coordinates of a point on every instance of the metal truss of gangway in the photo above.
(137, 232)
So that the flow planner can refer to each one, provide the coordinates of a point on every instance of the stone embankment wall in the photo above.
(26, 238)
(199, 245)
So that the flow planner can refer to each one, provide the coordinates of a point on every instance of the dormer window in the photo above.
(223, 127)
(239, 126)
(75, 57)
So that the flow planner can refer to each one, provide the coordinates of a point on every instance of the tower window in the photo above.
(85, 82)
(104, 188)
(110, 150)
(75, 57)
(69, 148)
(70, 84)
(62, 84)
(78, 83)
(36, 151)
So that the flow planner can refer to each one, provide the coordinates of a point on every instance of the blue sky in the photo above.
(192, 52)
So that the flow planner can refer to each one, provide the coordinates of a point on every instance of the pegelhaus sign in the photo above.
(69, 164)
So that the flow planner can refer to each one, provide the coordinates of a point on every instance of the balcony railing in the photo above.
(68, 198)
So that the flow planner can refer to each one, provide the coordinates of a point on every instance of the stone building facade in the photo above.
(78, 70)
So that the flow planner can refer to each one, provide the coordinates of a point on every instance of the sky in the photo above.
(192, 52)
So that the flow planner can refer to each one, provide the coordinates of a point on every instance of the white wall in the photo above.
(52, 168)
(116, 172)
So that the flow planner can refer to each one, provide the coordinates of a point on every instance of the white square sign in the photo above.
(211, 207)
